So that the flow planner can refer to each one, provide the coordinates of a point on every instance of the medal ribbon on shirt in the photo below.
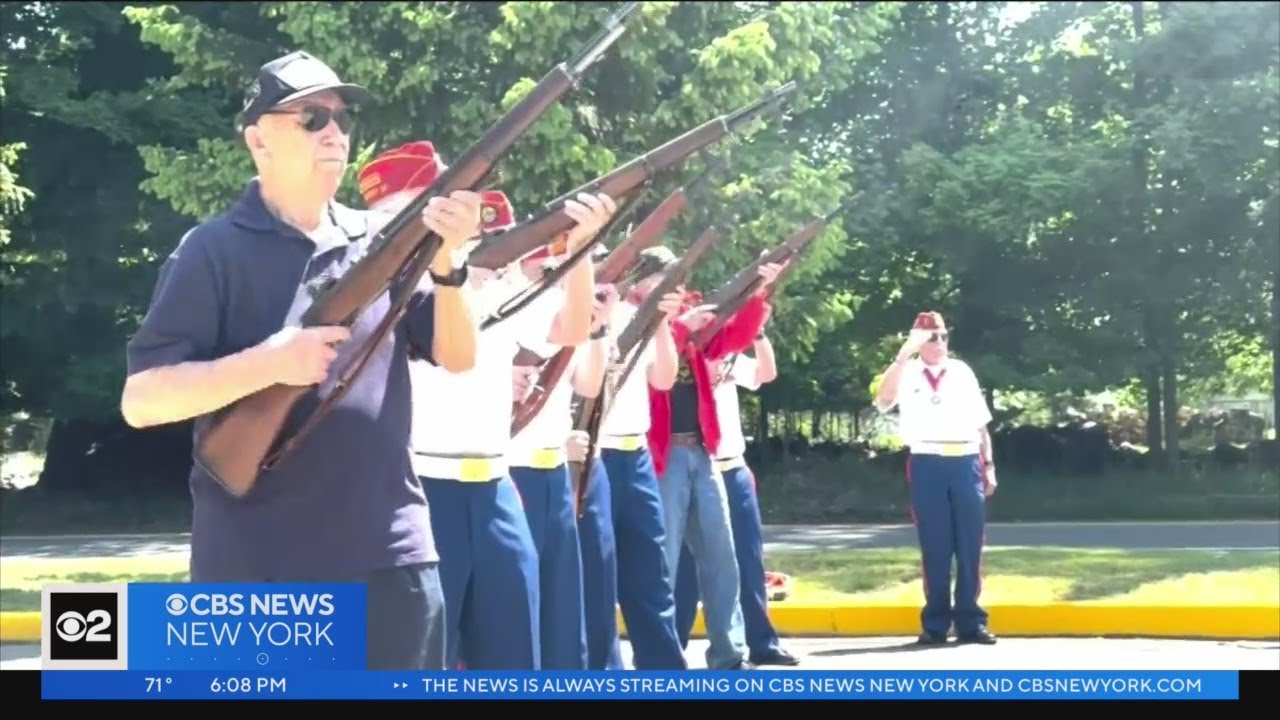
(934, 382)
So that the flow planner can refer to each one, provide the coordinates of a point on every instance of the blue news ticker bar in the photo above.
(548, 685)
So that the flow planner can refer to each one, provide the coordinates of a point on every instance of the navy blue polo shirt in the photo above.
(345, 501)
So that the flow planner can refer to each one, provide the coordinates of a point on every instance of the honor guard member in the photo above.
(684, 436)
(489, 567)
(644, 575)
(943, 418)
(738, 371)
(539, 467)
(595, 517)
(224, 322)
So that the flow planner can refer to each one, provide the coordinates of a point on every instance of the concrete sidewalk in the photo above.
(900, 653)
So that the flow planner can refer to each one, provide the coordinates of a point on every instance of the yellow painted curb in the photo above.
(20, 626)
(1234, 622)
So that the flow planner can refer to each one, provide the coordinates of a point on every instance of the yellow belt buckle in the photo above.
(475, 469)
(949, 450)
(545, 458)
(629, 442)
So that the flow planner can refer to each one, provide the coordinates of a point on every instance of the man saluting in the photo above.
(943, 419)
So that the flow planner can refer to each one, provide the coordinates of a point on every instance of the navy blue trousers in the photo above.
(548, 505)
(948, 507)
(644, 579)
(599, 573)
(748, 542)
(489, 571)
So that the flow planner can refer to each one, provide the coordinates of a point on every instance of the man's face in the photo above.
(301, 145)
(935, 349)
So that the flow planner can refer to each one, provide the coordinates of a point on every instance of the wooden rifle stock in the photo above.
(505, 247)
(730, 298)
(553, 276)
(245, 437)
(591, 412)
(619, 264)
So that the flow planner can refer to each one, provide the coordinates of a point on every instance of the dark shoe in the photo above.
(775, 656)
(981, 636)
(929, 638)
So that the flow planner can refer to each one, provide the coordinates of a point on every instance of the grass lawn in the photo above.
(872, 576)
(1044, 575)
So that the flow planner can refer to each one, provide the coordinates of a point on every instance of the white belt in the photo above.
(732, 463)
(946, 448)
(540, 459)
(622, 442)
(462, 469)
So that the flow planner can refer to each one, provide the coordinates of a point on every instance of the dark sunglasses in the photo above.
(316, 117)
(939, 336)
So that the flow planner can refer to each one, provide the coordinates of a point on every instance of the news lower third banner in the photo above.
(187, 641)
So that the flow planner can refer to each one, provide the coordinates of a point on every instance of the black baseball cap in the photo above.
(288, 78)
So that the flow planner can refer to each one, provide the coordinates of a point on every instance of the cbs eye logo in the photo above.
(83, 626)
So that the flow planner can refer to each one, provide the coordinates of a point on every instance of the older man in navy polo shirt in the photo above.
(224, 323)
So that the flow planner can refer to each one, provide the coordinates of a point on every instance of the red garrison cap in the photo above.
(496, 212)
(412, 166)
(928, 321)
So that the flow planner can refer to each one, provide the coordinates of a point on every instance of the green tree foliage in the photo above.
(1077, 233)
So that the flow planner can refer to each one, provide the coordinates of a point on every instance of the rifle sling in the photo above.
(399, 305)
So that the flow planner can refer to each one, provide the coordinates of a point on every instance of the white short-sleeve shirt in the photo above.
(470, 412)
(953, 412)
(629, 414)
(550, 428)
(742, 373)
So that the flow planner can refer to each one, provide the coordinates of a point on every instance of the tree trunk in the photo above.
(1155, 444)
(1275, 352)
(1171, 415)
(762, 431)
(1142, 240)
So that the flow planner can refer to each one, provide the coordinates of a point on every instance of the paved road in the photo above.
(1154, 535)
(899, 653)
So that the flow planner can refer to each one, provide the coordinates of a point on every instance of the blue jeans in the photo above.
(696, 507)
(748, 541)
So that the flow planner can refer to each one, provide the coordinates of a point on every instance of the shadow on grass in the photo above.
(1090, 574)
(25, 599)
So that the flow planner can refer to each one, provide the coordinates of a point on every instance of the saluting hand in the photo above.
(592, 212)
(915, 340)
(456, 218)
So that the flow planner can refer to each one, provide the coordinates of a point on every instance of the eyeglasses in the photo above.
(939, 336)
(316, 117)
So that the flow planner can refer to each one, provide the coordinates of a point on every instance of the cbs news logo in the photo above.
(84, 627)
